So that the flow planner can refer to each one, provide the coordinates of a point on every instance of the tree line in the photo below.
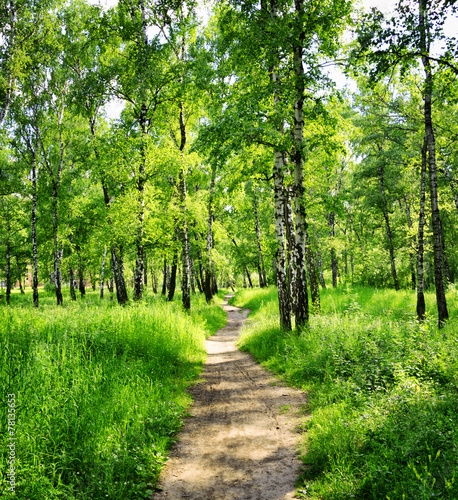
(235, 155)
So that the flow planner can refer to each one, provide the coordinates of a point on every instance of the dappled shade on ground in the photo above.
(240, 441)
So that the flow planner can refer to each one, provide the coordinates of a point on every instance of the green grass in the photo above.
(382, 390)
(100, 392)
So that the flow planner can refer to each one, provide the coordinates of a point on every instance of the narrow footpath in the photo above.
(241, 441)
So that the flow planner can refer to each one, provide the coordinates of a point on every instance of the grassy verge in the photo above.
(99, 392)
(383, 392)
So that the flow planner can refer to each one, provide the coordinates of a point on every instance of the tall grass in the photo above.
(383, 392)
(100, 393)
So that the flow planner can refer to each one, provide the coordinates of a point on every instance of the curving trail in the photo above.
(240, 442)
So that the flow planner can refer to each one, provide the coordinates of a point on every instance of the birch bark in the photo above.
(34, 225)
(425, 44)
(301, 295)
(421, 307)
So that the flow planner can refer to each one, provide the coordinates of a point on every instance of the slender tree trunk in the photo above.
(455, 195)
(201, 270)
(191, 275)
(431, 144)
(8, 259)
(154, 279)
(145, 269)
(118, 276)
(320, 269)
(261, 270)
(284, 302)
(102, 271)
(199, 282)
(57, 280)
(411, 255)
(9, 42)
(208, 285)
(302, 304)
(388, 227)
(421, 308)
(82, 285)
(214, 281)
(244, 275)
(313, 278)
(70, 270)
(173, 276)
(245, 268)
(19, 275)
(34, 227)
(185, 278)
(331, 222)
(164, 278)
(140, 187)
(290, 242)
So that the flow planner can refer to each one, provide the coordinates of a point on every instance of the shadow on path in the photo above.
(240, 442)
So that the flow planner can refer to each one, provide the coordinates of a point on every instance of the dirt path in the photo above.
(240, 442)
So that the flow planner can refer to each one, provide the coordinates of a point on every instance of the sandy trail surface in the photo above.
(241, 441)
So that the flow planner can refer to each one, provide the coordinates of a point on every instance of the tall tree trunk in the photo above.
(34, 227)
(198, 280)
(411, 254)
(57, 274)
(154, 279)
(82, 285)
(388, 227)
(421, 308)
(302, 303)
(185, 278)
(164, 278)
(191, 275)
(102, 271)
(173, 276)
(290, 242)
(70, 270)
(140, 187)
(261, 270)
(320, 269)
(248, 275)
(331, 222)
(118, 276)
(8, 258)
(55, 181)
(208, 285)
(313, 278)
(431, 144)
(145, 269)
(284, 302)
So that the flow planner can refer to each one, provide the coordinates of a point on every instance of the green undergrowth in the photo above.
(382, 392)
(100, 392)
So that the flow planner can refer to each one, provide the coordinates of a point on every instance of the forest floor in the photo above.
(241, 439)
